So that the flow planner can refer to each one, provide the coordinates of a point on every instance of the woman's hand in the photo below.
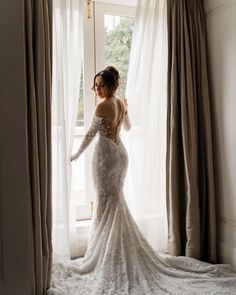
(125, 101)
(73, 158)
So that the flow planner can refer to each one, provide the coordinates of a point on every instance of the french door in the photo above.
(107, 36)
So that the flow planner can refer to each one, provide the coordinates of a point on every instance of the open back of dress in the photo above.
(113, 116)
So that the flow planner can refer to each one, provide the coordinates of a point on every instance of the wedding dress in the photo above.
(119, 260)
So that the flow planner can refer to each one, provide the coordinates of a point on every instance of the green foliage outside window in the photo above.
(117, 49)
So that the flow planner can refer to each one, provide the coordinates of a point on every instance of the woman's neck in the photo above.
(110, 97)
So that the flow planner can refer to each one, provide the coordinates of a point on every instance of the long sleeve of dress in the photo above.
(89, 136)
(126, 122)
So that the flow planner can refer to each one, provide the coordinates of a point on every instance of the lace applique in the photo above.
(106, 127)
(106, 130)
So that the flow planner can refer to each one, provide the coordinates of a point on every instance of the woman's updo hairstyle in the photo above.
(111, 78)
(114, 72)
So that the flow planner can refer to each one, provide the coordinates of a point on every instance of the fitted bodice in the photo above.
(112, 113)
(107, 125)
(109, 129)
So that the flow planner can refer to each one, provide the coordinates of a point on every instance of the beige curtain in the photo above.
(38, 61)
(190, 180)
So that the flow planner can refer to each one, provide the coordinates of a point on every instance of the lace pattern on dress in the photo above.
(119, 260)
(89, 136)
(106, 127)
(106, 130)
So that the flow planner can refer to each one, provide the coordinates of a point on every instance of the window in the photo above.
(107, 41)
(113, 35)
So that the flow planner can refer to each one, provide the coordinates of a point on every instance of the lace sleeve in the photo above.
(126, 122)
(89, 136)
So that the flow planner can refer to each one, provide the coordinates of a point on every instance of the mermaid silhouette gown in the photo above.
(118, 259)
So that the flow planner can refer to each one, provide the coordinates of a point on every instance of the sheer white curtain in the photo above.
(67, 55)
(146, 92)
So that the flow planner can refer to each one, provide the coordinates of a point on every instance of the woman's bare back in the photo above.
(113, 111)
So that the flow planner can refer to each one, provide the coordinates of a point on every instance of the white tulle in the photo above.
(67, 55)
(119, 260)
(146, 143)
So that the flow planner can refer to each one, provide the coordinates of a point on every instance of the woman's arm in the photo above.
(126, 122)
(89, 136)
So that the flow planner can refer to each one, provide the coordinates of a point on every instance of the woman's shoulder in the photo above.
(106, 107)
(101, 108)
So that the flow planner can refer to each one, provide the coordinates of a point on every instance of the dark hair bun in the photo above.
(114, 72)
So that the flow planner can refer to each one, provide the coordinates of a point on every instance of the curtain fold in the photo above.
(189, 167)
(145, 188)
(67, 58)
(38, 66)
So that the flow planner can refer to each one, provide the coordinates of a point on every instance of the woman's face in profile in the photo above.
(101, 88)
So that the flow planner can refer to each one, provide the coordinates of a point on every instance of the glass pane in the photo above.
(118, 37)
(80, 113)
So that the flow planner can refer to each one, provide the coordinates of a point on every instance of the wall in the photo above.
(15, 256)
(221, 29)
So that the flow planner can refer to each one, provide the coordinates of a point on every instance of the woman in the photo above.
(118, 259)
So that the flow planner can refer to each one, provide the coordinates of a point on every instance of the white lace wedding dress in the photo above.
(118, 259)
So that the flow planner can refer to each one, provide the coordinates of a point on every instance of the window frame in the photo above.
(101, 9)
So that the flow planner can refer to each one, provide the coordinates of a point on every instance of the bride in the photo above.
(118, 259)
